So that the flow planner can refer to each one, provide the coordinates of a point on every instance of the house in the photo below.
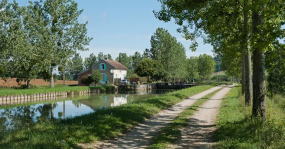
(110, 70)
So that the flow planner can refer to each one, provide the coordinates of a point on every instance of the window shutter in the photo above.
(105, 66)
(105, 77)
(99, 66)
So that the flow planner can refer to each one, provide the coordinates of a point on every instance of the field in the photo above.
(37, 82)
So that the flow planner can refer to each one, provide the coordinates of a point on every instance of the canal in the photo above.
(23, 116)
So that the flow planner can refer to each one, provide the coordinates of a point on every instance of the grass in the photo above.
(9, 92)
(237, 129)
(172, 132)
(214, 83)
(101, 125)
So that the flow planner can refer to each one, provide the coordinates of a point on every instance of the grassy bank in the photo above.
(172, 132)
(236, 128)
(104, 124)
(214, 83)
(9, 92)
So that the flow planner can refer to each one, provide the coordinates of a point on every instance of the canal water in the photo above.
(17, 117)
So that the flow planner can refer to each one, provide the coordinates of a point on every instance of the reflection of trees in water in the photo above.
(25, 116)
(17, 118)
(76, 103)
(46, 111)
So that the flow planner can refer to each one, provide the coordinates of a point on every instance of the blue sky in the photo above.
(126, 26)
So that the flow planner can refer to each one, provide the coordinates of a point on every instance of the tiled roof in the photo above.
(116, 64)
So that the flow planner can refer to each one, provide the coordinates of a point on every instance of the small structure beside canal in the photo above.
(111, 71)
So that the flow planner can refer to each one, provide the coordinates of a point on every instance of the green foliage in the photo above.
(136, 60)
(219, 78)
(124, 59)
(96, 76)
(218, 62)
(275, 67)
(86, 80)
(77, 66)
(170, 53)
(236, 128)
(149, 68)
(192, 68)
(206, 66)
(39, 36)
(101, 125)
(90, 61)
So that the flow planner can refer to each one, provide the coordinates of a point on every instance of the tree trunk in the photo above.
(259, 88)
(51, 78)
(63, 76)
(243, 73)
(28, 84)
(248, 77)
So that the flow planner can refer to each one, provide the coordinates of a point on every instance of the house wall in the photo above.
(120, 74)
(102, 71)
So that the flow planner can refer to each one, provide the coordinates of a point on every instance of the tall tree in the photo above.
(168, 51)
(77, 66)
(218, 18)
(136, 59)
(124, 59)
(67, 34)
(100, 56)
(206, 66)
(192, 68)
(146, 53)
(90, 61)
(275, 66)
(148, 68)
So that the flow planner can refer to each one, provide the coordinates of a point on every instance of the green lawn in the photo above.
(8, 92)
(237, 129)
(101, 125)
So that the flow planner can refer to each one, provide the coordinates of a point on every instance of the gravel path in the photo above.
(198, 133)
(140, 136)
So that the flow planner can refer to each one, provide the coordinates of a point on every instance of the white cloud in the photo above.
(104, 15)
(2, 9)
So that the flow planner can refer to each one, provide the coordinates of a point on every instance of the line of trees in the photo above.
(237, 30)
(166, 60)
(36, 38)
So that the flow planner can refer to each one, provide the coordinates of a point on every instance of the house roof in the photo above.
(116, 64)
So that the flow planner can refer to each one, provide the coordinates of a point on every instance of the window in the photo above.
(102, 66)
(116, 76)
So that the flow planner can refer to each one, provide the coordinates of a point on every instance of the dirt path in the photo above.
(198, 133)
(140, 136)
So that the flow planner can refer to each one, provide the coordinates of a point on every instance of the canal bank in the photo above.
(18, 96)
(100, 125)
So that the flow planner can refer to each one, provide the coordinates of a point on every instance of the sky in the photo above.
(126, 26)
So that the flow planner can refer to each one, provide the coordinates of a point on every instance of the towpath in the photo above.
(141, 135)
(198, 133)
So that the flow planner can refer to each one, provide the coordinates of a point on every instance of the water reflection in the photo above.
(25, 116)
